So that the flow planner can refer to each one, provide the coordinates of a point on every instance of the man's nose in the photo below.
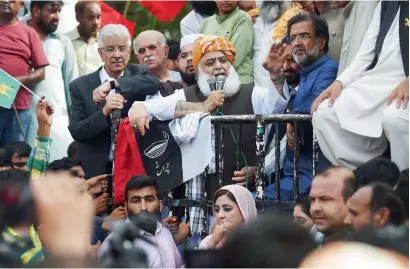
(144, 206)
(348, 219)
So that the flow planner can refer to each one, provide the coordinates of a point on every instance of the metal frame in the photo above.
(238, 120)
(261, 122)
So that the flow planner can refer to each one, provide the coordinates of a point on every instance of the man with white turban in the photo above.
(184, 62)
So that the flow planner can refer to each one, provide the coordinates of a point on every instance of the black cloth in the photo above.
(89, 126)
(239, 104)
(388, 13)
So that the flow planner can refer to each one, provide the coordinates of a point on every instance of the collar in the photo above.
(223, 18)
(104, 75)
(75, 35)
(316, 64)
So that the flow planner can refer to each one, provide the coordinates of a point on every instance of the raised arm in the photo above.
(170, 107)
(40, 154)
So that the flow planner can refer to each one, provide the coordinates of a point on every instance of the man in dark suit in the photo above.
(89, 122)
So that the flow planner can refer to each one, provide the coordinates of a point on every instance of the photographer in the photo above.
(141, 194)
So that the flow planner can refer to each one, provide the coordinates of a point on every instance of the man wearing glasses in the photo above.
(89, 122)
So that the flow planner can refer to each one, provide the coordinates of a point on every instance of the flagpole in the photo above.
(127, 6)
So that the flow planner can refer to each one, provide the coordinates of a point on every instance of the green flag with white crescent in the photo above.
(9, 87)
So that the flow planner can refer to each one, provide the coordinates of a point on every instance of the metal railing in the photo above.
(261, 122)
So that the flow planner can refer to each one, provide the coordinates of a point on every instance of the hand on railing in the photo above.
(290, 135)
(139, 118)
(240, 176)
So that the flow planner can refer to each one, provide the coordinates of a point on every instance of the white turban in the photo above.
(188, 39)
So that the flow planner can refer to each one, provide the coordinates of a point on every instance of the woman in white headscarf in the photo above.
(233, 205)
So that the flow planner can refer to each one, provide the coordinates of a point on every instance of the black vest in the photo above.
(239, 104)
(387, 14)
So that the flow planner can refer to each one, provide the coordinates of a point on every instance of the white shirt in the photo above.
(191, 23)
(103, 78)
(162, 253)
(88, 59)
(263, 32)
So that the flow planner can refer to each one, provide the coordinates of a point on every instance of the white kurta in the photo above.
(59, 73)
(262, 40)
(353, 130)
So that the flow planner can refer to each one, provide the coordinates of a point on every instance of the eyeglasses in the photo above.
(302, 36)
(112, 50)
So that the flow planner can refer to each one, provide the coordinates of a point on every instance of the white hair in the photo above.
(113, 30)
(159, 35)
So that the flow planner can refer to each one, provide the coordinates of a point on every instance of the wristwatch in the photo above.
(112, 83)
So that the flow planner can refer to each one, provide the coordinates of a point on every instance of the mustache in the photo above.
(150, 58)
(117, 60)
(298, 48)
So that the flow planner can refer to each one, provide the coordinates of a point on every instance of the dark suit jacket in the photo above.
(89, 126)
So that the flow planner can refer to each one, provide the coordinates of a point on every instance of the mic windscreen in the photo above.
(212, 83)
(220, 82)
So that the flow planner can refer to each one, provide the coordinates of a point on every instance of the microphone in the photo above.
(116, 113)
(220, 82)
(212, 83)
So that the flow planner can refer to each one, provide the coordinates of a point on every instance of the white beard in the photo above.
(270, 11)
(231, 86)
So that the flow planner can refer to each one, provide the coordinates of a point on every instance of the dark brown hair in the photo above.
(222, 192)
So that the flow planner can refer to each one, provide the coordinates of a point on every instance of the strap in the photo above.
(19, 121)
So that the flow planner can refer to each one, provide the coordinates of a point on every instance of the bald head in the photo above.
(151, 50)
(357, 255)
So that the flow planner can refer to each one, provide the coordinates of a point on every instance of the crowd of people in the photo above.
(344, 62)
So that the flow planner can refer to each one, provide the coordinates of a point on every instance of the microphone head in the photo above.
(220, 82)
(212, 83)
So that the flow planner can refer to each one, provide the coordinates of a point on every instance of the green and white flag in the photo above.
(9, 87)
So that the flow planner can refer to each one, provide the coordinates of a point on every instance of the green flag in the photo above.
(9, 87)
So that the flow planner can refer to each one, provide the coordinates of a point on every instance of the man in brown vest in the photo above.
(213, 57)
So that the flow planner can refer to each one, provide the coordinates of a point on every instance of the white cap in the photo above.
(188, 39)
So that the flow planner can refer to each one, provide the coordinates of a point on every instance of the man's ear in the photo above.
(166, 49)
(35, 12)
(160, 206)
(381, 217)
(77, 17)
(100, 53)
(322, 43)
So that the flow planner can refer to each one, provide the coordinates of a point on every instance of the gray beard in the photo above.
(309, 58)
(270, 11)
(231, 86)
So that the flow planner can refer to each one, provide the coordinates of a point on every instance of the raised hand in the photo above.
(44, 112)
(276, 57)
